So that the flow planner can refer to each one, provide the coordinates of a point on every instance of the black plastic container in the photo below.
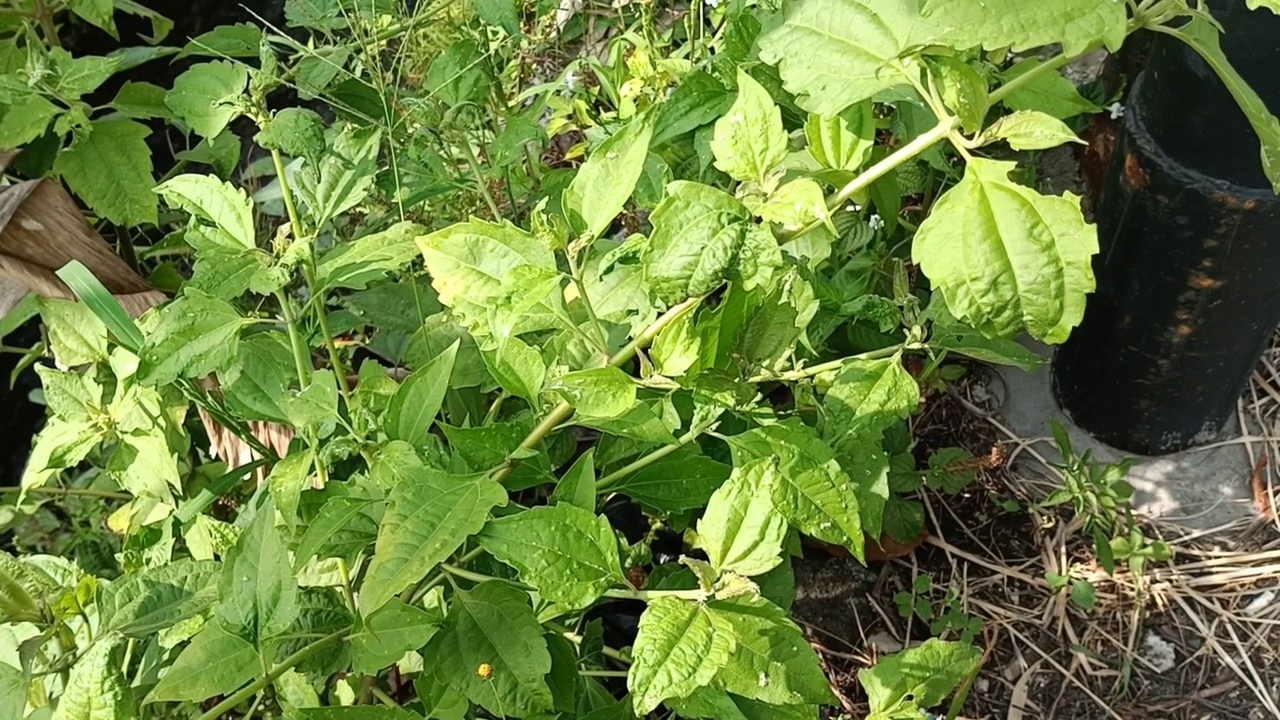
(1189, 266)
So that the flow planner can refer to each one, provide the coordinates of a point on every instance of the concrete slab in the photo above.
(1199, 488)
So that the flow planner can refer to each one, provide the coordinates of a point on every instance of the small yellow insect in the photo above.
(485, 671)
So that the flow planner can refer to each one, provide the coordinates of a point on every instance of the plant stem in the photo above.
(469, 575)
(601, 339)
(576, 639)
(647, 595)
(326, 334)
(45, 15)
(384, 698)
(439, 578)
(820, 368)
(301, 356)
(608, 481)
(603, 673)
(71, 492)
(345, 574)
(564, 410)
(927, 140)
(290, 206)
(474, 162)
(288, 663)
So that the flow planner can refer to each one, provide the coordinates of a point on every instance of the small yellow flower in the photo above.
(485, 671)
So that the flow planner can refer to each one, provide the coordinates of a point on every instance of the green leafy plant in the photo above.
(1101, 496)
(457, 354)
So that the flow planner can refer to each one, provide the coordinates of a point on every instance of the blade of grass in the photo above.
(103, 304)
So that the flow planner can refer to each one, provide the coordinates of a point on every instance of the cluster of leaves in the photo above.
(715, 317)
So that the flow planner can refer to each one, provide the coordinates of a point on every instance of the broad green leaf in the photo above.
(809, 488)
(1050, 93)
(221, 204)
(1272, 5)
(697, 232)
(389, 633)
(602, 185)
(344, 527)
(215, 663)
(110, 169)
(676, 349)
(921, 677)
(321, 611)
(204, 96)
(749, 141)
(843, 141)
(1203, 38)
(13, 691)
(258, 383)
(414, 407)
(240, 40)
(357, 263)
(697, 100)
(145, 464)
(258, 595)
(578, 485)
(795, 204)
(191, 337)
(60, 445)
(141, 101)
(221, 273)
(1017, 25)
(829, 71)
(79, 75)
(144, 602)
(963, 90)
(741, 531)
(1030, 130)
(323, 15)
(516, 365)
(492, 624)
(641, 423)
(316, 405)
(773, 662)
(430, 515)
(17, 603)
(679, 648)
(345, 174)
(1006, 257)
(867, 396)
(222, 153)
(568, 554)
(470, 264)
(298, 132)
(500, 13)
(286, 482)
(96, 689)
(948, 334)
(76, 335)
(99, 13)
(599, 392)
(25, 121)
(680, 481)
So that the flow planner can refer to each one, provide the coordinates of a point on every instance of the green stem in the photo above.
(45, 15)
(71, 492)
(224, 707)
(564, 410)
(647, 595)
(601, 339)
(326, 334)
(345, 573)
(474, 162)
(576, 639)
(930, 138)
(384, 698)
(301, 356)
(814, 370)
(470, 575)
(289, 205)
(603, 673)
(605, 483)
(439, 578)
